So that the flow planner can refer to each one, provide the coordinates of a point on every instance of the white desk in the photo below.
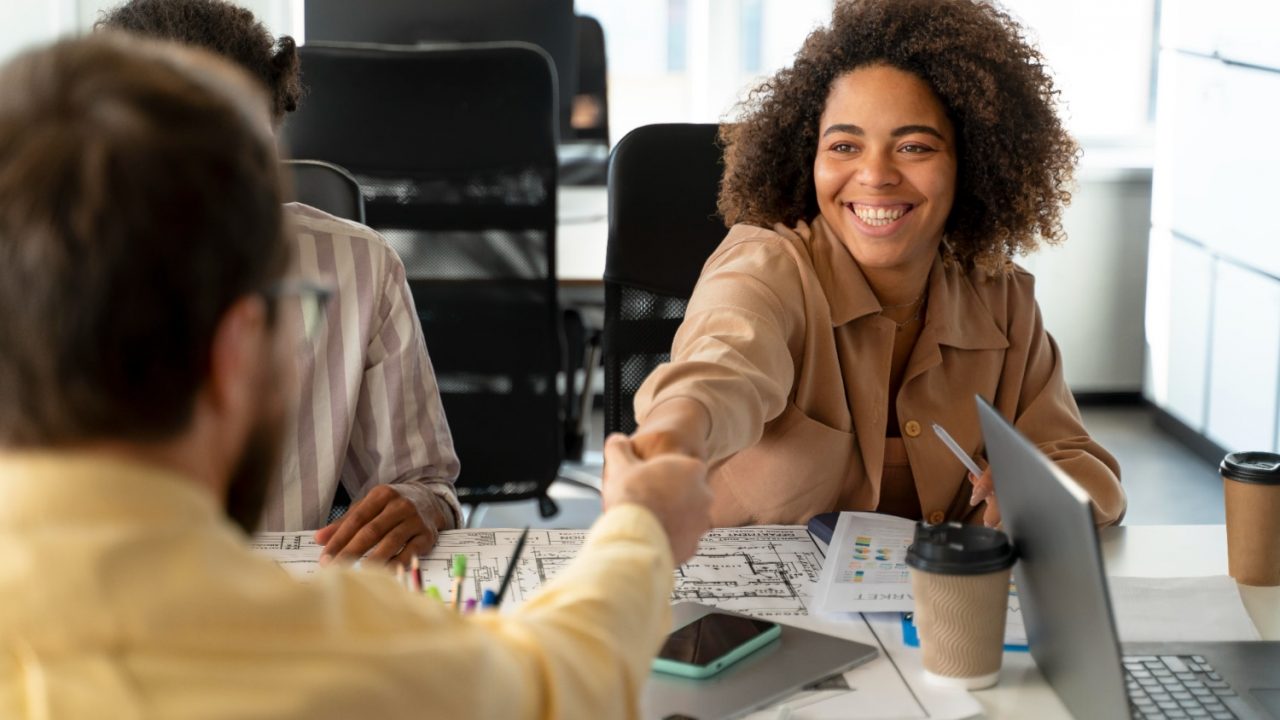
(582, 235)
(1137, 551)
(1186, 551)
(1151, 551)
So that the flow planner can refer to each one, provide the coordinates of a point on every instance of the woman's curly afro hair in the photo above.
(224, 29)
(1014, 158)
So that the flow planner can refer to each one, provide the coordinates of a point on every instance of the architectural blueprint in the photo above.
(763, 570)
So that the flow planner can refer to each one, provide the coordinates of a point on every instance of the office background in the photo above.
(1166, 305)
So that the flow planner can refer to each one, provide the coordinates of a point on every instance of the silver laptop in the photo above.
(1070, 626)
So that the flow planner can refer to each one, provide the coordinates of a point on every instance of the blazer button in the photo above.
(912, 428)
(936, 517)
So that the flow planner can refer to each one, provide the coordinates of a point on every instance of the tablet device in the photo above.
(797, 659)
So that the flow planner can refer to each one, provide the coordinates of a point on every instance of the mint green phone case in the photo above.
(698, 672)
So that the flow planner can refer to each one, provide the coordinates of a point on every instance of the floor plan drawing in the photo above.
(763, 570)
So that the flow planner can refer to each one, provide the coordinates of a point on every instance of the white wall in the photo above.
(1092, 288)
(24, 23)
(1213, 318)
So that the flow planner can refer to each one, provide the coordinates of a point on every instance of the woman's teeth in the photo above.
(878, 216)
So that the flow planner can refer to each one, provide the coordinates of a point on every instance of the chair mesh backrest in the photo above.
(663, 224)
(455, 151)
(642, 330)
(327, 187)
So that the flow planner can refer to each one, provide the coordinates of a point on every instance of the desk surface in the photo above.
(1136, 551)
(582, 235)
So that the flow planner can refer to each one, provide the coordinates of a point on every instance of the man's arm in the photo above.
(401, 459)
(593, 631)
(580, 648)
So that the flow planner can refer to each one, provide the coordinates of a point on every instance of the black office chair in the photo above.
(326, 187)
(548, 24)
(663, 225)
(455, 151)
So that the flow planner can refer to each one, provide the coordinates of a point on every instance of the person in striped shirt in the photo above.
(369, 417)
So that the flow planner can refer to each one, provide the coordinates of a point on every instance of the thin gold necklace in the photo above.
(900, 326)
(906, 304)
(914, 317)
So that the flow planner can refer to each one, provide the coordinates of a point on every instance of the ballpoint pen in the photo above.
(511, 569)
(955, 449)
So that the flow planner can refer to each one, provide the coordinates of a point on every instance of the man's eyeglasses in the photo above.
(307, 312)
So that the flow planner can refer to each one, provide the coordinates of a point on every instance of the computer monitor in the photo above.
(549, 24)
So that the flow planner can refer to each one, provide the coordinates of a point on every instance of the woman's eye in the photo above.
(842, 147)
(916, 149)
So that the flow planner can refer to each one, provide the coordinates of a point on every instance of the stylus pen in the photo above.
(954, 447)
(511, 569)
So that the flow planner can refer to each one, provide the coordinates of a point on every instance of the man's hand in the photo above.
(672, 487)
(984, 488)
(384, 521)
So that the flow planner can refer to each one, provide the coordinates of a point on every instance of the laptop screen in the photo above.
(1061, 583)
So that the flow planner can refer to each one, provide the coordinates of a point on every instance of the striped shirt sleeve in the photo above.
(369, 410)
(400, 436)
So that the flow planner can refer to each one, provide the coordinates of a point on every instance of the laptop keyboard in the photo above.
(1171, 686)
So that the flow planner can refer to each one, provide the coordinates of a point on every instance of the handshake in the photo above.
(673, 486)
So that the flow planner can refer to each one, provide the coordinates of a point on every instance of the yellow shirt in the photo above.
(127, 594)
(784, 345)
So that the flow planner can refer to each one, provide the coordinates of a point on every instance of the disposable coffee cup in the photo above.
(960, 579)
(1251, 489)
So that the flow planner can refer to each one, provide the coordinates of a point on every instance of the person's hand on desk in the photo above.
(673, 487)
(984, 488)
(384, 524)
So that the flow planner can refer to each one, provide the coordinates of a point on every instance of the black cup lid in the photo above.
(1252, 467)
(956, 549)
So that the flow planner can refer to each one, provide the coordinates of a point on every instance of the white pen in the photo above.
(955, 450)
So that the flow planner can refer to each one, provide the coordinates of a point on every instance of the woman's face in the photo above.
(885, 168)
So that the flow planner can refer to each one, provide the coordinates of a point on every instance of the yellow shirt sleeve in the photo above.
(581, 648)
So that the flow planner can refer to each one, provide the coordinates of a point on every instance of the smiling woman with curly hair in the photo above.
(878, 190)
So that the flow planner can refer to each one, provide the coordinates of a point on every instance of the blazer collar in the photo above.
(956, 315)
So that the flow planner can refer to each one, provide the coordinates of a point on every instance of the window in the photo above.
(693, 60)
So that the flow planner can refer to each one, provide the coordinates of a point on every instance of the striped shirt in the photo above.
(369, 409)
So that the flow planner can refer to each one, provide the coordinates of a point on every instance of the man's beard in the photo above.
(247, 489)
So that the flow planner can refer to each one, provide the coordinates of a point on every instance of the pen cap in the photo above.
(459, 565)
(955, 549)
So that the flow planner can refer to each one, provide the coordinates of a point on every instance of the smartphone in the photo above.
(712, 643)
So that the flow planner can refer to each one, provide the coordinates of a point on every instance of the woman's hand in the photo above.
(984, 488)
(678, 426)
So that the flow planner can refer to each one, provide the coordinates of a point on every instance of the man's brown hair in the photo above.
(139, 198)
